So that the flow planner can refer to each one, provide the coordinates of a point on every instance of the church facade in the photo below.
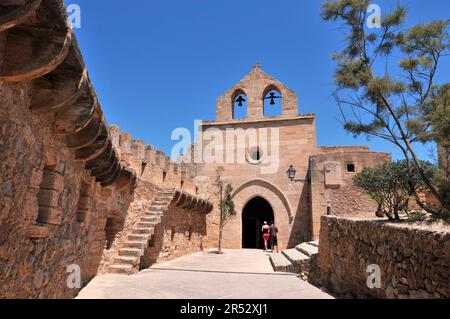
(258, 152)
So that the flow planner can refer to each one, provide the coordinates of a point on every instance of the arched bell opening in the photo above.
(272, 100)
(239, 100)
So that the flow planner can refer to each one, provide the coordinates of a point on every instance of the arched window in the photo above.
(272, 102)
(239, 105)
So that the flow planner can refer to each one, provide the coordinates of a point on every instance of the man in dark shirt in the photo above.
(273, 236)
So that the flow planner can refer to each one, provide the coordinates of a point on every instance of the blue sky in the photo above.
(160, 64)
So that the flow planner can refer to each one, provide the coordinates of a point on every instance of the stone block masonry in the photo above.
(70, 185)
(60, 176)
(414, 260)
(138, 243)
(323, 174)
(74, 190)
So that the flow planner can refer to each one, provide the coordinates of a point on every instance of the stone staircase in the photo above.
(296, 260)
(129, 255)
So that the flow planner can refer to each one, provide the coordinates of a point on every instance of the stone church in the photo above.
(323, 175)
(77, 192)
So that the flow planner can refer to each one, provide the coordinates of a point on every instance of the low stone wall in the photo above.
(414, 260)
(181, 232)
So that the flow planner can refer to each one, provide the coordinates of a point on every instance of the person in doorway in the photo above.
(266, 235)
(273, 236)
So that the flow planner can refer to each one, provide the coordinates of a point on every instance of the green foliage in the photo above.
(226, 204)
(405, 107)
(224, 192)
(438, 114)
(391, 185)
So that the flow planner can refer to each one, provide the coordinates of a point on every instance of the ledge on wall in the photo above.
(41, 48)
(186, 201)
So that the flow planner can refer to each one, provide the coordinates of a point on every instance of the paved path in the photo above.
(237, 274)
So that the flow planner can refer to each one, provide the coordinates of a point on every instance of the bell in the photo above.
(240, 100)
(272, 98)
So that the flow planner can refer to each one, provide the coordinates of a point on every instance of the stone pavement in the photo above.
(237, 274)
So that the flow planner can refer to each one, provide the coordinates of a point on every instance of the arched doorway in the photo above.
(254, 214)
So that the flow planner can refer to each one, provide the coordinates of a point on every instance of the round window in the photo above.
(255, 155)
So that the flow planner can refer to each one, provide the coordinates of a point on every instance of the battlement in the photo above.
(148, 156)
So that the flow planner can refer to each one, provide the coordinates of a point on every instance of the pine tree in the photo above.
(381, 100)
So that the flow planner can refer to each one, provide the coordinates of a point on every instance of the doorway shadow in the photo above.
(255, 213)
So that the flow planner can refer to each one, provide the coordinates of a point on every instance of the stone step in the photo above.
(166, 192)
(149, 219)
(307, 249)
(314, 243)
(142, 224)
(125, 260)
(296, 258)
(159, 202)
(131, 252)
(143, 231)
(139, 237)
(140, 244)
(123, 269)
(155, 213)
(158, 207)
(281, 264)
(164, 197)
(156, 216)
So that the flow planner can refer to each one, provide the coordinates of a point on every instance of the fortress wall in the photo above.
(39, 177)
(69, 183)
(155, 171)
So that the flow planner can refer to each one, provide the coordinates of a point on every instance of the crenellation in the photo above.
(114, 131)
(138, 149)
(150, 154)
(125, 142)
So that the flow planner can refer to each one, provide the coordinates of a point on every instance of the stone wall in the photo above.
(181, 232)
(290, 201)
(414, 259)
(70, 186)
(156, 171)
(41, 178)
(332, 172)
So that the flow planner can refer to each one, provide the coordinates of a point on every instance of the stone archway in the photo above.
(275, 198)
